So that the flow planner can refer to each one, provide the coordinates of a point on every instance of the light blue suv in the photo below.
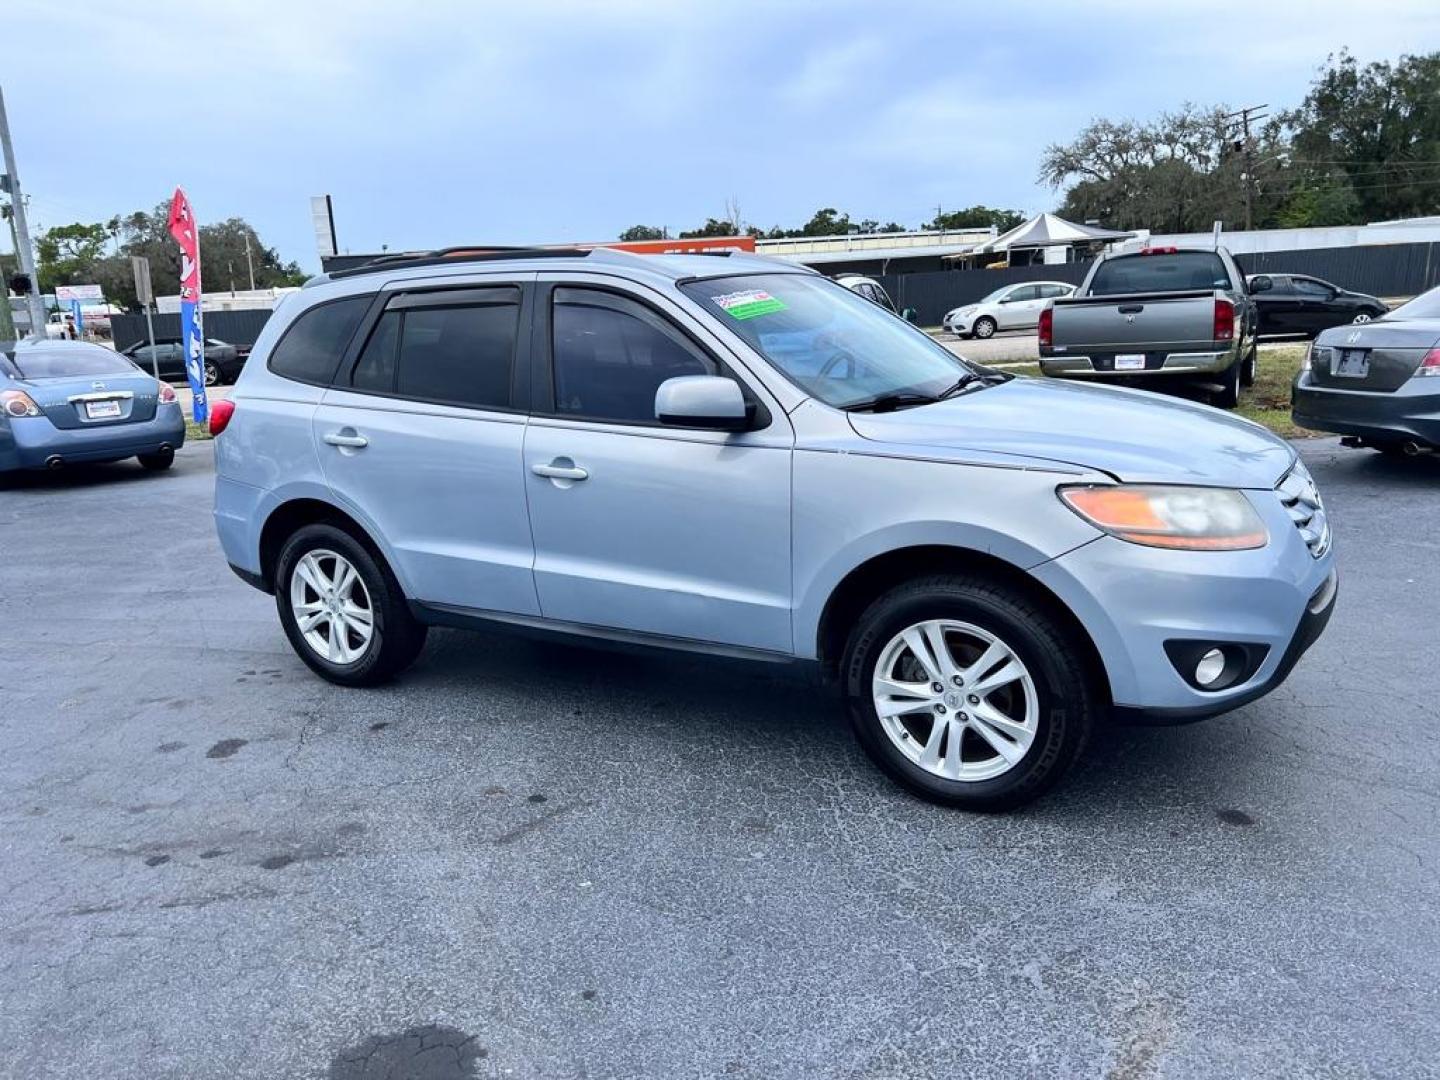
(734, 456)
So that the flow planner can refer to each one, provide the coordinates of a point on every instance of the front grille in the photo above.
(1301, 499)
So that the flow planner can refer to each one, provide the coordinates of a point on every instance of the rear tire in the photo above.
(360, 655)
(1252, 361)
(212, 373)
(984, 328)
(158, 461)
(1228, 396)
(1050, 707)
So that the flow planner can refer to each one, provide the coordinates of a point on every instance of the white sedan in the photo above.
(1014, 307)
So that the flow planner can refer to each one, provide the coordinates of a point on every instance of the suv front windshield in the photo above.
(831, 343)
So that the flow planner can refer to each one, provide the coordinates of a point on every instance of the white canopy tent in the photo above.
(1051, 238)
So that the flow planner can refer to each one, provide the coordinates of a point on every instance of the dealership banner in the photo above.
(187, 235)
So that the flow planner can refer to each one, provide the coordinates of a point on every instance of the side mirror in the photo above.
(711, 402)
(1261, 284)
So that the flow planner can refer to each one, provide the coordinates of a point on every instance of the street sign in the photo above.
(79, 292)
(141, 267)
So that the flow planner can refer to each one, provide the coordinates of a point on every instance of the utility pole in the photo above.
(248, 262)
(23, 250)
(1247, 151)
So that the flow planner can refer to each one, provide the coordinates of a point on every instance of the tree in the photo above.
(712, 227)
(642, 232)
(975, 217)
(76, 254)
(1374, 130)
(67, 254)
(1176, 173)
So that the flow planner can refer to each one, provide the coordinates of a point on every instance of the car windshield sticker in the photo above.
(749, 303)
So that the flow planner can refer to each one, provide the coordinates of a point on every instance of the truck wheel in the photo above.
(1228, 396)
(1252, 360)
(984, 327)
(967, 693)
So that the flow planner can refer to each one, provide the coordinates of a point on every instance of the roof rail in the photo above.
(451, 255)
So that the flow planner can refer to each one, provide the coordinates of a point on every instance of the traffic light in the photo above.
(21, 285)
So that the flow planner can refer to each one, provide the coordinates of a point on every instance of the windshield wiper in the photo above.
(890, 402)
(978, 380)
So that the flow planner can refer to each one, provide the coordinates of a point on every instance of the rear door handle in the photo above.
(346, 438)
(559, 470)
(1131, 309)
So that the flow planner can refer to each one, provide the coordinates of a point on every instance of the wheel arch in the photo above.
(880, 573)
(296, 513)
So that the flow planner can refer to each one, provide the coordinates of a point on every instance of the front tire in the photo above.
(967, 693)
(343, 610)
(1252, 362)
(984, 327)
(212, 373)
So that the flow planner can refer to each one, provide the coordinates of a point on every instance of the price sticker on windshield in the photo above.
(749, 303)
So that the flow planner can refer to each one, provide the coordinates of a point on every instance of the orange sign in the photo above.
(681, 247)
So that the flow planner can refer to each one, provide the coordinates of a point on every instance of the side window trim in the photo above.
(542, 354)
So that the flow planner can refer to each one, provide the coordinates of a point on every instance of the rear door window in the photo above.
(312, 347)
(453, 348)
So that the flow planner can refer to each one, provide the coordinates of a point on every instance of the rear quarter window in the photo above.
(312, 347)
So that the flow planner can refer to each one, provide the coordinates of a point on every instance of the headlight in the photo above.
(1191, 518)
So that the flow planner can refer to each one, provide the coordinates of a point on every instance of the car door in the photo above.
(1021, 308)
(637, 526)
(1317, 307)
(1278, 307)
(421, 433)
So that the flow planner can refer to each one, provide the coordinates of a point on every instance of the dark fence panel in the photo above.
(1380, 269)
(236, 327)
(1388, 270)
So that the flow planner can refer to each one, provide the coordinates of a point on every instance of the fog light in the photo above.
(1210, 667)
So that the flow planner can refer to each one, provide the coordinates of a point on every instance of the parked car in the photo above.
(1297, 304)
(223, 361)
(1377, 383)
(1015, 307)
(869, 288)
(1155, 316)
(63, 402)
(740, 457)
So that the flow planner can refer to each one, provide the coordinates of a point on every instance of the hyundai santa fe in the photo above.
(735, 456)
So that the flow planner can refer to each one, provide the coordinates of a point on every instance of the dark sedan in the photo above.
(223, 361)
(1377, 383)
(1296, 304)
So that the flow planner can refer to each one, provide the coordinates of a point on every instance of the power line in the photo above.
(1247, 147)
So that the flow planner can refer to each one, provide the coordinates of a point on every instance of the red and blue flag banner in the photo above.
(187, 235)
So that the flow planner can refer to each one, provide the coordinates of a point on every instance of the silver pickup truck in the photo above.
(1159, 313)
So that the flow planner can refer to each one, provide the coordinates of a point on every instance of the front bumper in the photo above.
(34, 440)
(959, 324)
(1097, 363)
(1411, 412)
(1132, 600)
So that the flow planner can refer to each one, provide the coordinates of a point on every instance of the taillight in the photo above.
(18, 403)
(167, 394)
(1224, 320)
(1431, 364)
(220, 413)
(1047, 326)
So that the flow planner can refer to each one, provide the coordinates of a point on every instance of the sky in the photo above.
(437, 122)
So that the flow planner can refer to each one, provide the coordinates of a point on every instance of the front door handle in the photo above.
(560, 469)
(346, 437)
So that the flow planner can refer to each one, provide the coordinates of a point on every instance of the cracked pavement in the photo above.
(531, 860)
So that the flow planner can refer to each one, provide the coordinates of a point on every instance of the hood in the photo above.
(1133, 435)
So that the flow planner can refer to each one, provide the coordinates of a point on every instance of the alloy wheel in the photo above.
(1362, 318)
(955, 700)
(331, 606)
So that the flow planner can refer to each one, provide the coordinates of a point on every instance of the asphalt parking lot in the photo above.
(526, 860)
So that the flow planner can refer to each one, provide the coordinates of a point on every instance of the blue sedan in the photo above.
(64, 402)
